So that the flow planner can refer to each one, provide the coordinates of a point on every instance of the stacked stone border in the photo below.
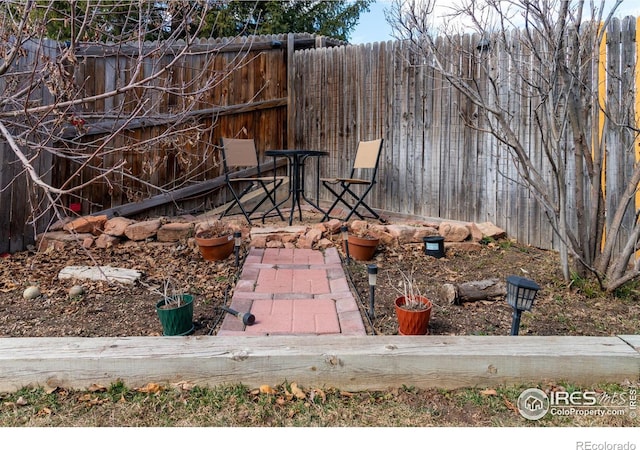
(101, 232)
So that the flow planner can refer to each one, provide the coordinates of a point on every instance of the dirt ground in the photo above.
(129, 310)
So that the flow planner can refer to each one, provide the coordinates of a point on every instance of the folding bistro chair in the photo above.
(367, 159)
(242, 153)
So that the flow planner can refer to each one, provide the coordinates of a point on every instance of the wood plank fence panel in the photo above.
(468, 160)
(403, 192)
(17, 224)
(395, 141)
(384, 177)
(459, 203)
(628, 89)
(6, 200)
(434, 89)
(615, 160)
(432, 164)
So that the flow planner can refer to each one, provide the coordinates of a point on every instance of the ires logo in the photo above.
(534, 403)
(587, 398)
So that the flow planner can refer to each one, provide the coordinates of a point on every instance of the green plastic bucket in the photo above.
(176, 321)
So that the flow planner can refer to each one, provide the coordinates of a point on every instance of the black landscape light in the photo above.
(237, 236)
(372, 270)
(344, 231)
(520, 295)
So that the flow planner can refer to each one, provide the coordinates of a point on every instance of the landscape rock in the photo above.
(101, 273)
(386, 238)
(303, 242)
(358, 226)
(259, 241)
(324, 243)
(488, 229)
(404, 234)
(88, 242)
(475, 232)
(313, 235)
(287, 238)
(423, 232)
(140, 231)
(275, 244)
(86, 224)
(117, 226)
(174, 232)
(58, 239)
(107, 241)
(453, 232)
(31, 292)
(58, 225)
(333, 226)
(76, 290)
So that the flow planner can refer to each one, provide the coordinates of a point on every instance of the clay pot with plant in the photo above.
(215, 241)
(412, 308)
(362, 244)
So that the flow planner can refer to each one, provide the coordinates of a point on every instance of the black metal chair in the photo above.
(242, 153)
(366, 161)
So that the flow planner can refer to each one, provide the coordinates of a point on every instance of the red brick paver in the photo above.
(294, 291)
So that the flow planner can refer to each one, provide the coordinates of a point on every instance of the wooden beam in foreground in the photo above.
(346, 362)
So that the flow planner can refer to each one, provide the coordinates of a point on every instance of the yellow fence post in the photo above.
(602, 92)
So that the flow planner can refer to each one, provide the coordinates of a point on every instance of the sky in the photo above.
(374, 28)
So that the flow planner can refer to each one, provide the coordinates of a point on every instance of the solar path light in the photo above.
(344, 231)
(237, 235)
(372, 270)
(520, 295)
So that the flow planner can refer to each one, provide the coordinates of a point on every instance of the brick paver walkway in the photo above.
(294, 291)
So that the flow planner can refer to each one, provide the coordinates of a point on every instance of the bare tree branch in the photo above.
(552, 51)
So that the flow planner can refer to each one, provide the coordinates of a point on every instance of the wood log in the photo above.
(104, 273)
(473, 290)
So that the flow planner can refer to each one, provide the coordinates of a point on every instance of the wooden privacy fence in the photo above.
(223, 87)
(432, 164)
(326, 98)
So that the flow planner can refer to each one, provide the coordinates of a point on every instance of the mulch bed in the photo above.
(129, 310)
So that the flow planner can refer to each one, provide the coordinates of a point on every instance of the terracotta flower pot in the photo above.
(215, 248)
(362, 249)
(410, 321)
